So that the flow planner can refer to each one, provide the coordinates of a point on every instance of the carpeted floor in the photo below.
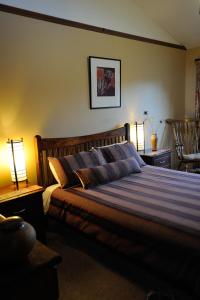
(82, 277)
(90, 271)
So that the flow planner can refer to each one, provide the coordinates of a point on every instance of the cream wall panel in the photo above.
(44, 86)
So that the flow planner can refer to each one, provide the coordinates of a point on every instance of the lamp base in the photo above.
(19, 185)
(154, 142)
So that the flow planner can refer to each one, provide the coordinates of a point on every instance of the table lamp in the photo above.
(137, 136)
(17, 161)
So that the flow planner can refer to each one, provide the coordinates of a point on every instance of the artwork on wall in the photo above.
(105, 82)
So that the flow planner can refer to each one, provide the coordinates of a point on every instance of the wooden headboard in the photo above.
(56, 147)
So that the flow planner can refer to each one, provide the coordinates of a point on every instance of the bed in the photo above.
(151, 216)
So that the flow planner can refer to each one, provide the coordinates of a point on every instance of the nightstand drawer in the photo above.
(160, 158)
(26, 203)
(163, 161)
(13, 209)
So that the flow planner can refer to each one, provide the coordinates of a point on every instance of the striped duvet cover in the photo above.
(166, 197)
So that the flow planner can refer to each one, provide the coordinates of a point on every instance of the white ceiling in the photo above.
(180, 18)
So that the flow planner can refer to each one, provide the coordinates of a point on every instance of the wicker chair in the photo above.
(186, 135)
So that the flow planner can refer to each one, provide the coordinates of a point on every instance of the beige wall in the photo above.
(191, 54)
(44, 85)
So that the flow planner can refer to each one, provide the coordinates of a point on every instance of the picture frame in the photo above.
(105, 82)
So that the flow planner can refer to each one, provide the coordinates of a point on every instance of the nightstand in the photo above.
(160, 158)
(27, 203)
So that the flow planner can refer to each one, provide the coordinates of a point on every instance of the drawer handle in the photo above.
(18, 212)
(162, 161)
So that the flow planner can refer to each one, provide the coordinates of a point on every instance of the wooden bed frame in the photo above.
(70, 145)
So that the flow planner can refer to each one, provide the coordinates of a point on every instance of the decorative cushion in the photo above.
(108, 172)
(63, 167)
(121, 151)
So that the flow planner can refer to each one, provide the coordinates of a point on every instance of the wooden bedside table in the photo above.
(27, 203)
(160, 158)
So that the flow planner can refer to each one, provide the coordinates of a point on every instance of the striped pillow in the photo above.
(98, 152)
(108, 172)
(121, 151)
(63, 167)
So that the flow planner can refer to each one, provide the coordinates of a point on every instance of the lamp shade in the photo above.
(137, 136)
(16, 160)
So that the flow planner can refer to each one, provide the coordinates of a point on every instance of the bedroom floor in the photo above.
(89, 271)
(81, 277)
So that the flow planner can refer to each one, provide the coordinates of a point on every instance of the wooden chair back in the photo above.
(186, 133)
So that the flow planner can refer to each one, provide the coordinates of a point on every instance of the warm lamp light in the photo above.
(17, 161)
(137, 136)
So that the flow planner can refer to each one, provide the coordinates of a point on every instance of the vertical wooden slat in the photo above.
(39, 164)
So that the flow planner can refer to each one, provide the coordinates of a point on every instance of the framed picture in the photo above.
(105, 82)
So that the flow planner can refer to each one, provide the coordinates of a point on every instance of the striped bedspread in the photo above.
(153, 217)
(165, 196)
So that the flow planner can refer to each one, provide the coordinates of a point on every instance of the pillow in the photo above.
(120, 143)
(121, 151)
(108, 172)
(63, 167)
(99, 154)
(57, 171)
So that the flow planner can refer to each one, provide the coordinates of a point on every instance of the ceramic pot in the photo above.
(17, 239)
(154, 142)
